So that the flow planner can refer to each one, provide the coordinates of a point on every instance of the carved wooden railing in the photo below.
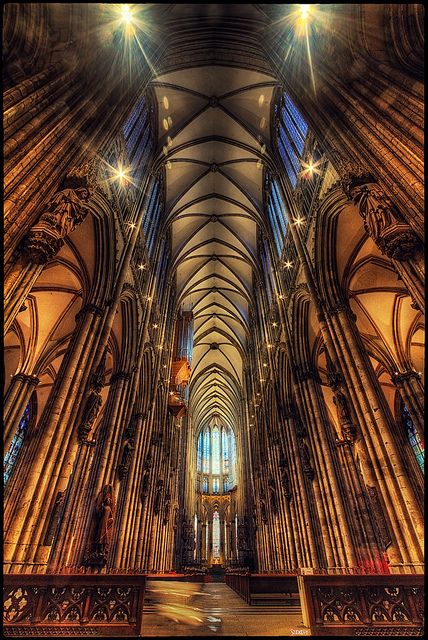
(358, 605)
(73, 605)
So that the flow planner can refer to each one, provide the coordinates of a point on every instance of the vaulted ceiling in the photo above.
(213, 133)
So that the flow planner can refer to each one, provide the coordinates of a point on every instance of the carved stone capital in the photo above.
(27, 378)
(89, 308)
(399, 378)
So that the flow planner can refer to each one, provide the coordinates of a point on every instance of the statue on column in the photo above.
(285, 481)
(306, 460)
(103, 527)
(93, 401)
(263, 510)
(145, 483)
(63, 213)
(344, 416)
(125, 460)
(166, 507)
(158, 497)
(272, 496)
(394, 237)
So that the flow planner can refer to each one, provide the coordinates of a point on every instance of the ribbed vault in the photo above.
(214, 129)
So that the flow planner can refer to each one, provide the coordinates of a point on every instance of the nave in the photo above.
(213, 609)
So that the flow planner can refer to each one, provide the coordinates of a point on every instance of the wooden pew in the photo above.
(262, 588)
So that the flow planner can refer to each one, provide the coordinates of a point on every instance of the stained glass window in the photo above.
(216, 535)
(138, 135)
(207, 451)
(16, 444)
(200, 447)
(153, 213)
(277, 214)
(215, 435)
(414, 439)
(216, 457)
(292, 132)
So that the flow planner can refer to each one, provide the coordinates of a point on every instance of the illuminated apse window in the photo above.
(16, 444)
(216, 535)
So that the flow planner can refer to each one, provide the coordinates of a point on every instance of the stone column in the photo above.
(388, 229)
(27, 510)
(399, 499)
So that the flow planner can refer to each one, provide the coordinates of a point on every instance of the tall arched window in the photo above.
(277, 214)
(216, 535)
(413, 437)
(138, 135)
(216, 457)
(292, 132)
(153, 212)
(18, 440)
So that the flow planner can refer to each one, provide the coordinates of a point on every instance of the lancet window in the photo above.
(16, 444)
(413, 438)
(292, 132)
(216, 458)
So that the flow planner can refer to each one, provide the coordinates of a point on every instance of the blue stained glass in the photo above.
(280, 207)
(296, 115)
(293, 132)
(414, 439)
(215, 435)
(200, 453)
(291, 154)
(16, 444)
(206, 451)
(205, 485)
(287, 164)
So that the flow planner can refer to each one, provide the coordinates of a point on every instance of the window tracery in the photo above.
(216, 458)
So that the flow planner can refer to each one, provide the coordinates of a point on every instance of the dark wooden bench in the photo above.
(261, 588)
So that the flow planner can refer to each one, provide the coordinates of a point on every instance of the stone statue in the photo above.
(306, 460)
(93, 401)
(158, 496)
(166, 507)
(263, 510)
(342, 408)
(375, 208)
(104, 517)
(67, 208)
(285, 483)
(272, 496)
(127, 450)
(64, 212)
(242, 538)
(394, 237)
(104, 509)
(145, 487)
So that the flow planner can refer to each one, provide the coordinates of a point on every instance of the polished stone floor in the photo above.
(213, 609)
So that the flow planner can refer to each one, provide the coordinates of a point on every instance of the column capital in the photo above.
(27, 378)
(398, 378)
(89, 308)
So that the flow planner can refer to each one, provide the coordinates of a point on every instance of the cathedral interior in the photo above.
(214, 314)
